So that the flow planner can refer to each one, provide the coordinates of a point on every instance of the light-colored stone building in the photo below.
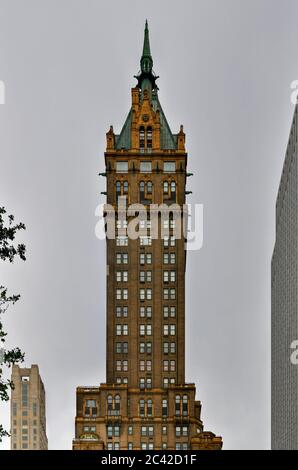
(284, 329)
(145, 403)
(28, 410)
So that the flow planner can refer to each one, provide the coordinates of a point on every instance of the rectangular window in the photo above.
(148, 294)
(172, 366)
(166, 330)
(166, 294)
(142, 383)
(130, 430)
(172, 330)
(146, 167)
(165, 311)
(125, 330)
(121, 258)
(166, 258)
(149, 382)
(172, 294)
(146, 311)
(172, 258)
(25, 392)
(142, 330)
(166, 366)
(142, 348)
(121, 167)
(166, 348)
(124, 311)
(173, 312)
(166, 276)
(125, 294)
(125, 366)
(149, 347)
(122, 241)
(172, 348)
(172, 241)
(149, 330)
(122, 276)
(142, 366)
(145, 241)
(169, 167)
(142, 294)
(173, 276)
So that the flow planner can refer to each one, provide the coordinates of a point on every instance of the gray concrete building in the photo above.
(284, 374)
(28, 410)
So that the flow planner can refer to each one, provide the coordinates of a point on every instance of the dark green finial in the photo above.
(146, 74)
(146, 59)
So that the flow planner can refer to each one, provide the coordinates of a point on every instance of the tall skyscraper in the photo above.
(145, 403)
(28, 410)
(284, 329)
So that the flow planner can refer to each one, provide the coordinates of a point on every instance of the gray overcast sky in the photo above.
(225, 70)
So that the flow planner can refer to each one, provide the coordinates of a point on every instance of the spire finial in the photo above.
(146, 74)
(146, 59)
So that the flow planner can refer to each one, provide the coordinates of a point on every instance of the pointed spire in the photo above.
(146, 47)
(146, 59)
(146, 74)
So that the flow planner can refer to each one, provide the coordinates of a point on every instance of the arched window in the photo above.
(177, 405)
(125, 187)
(118, 190)
(164, 407)
(149, 137)
(149, 407)
(149, 187)
(185, 405)
(142, 138)
(165, 187)
(110, 403)
(117, 404)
